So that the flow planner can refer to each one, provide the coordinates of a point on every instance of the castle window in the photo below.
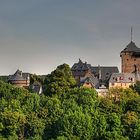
(127, 59)
(134, 59)
(121, 78)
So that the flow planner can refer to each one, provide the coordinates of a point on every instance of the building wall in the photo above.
(128, 61)
(20, 83)
(120, 85)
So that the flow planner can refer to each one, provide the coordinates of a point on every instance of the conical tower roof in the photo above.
(131, 47)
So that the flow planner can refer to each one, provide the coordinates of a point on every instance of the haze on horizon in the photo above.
(38, 35)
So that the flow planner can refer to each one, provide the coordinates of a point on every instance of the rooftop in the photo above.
(131, 47)
(123, 77)
(18, 76)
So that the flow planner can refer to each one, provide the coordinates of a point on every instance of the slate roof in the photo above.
(18, 76)
(80, 66)
(93, 80)
(123, 78)
(106, 72)
(79, 69)
(131, 47)
(79, 73)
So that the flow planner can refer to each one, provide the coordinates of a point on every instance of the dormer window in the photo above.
(121, 78)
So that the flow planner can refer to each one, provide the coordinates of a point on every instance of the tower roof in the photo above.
(131, 47)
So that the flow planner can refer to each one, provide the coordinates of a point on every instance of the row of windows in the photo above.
(122, 84)
(128, 59)
(122, 78)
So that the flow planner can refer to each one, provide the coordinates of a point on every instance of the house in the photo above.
(20, 79)
(83, 75)
(123, 80)
(81, 70)
(91, 76)
(90, 82)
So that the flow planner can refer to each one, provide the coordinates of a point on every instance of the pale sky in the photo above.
(38, 35)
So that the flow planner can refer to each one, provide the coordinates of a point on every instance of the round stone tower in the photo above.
(130, 58)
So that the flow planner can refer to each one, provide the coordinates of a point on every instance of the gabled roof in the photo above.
(106, 72)
(80, 66)
(131, 47)
(18, 76)
(122, 78)
(93, 80)
(104, 69)
(101, 72)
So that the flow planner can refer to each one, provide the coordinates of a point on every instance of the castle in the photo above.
(92, 76)
(109, 77)
(98, 77)
(130, 67)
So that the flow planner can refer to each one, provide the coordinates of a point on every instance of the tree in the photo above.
(75, 124)
(136, 87)
(59, 81)
(36, 78)
(131, 123)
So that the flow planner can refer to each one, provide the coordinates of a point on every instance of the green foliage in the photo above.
(72, 113)
(4, 78)
(59, 81)
(36, 78)
(136, 87)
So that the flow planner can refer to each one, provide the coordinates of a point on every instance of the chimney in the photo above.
(100, 74)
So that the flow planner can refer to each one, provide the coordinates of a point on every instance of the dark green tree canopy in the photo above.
(59, 81)
(77, 114)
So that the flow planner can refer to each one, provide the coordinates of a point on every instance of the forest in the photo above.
(67, 112)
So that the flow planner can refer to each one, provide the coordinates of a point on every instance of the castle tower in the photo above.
(130, 58)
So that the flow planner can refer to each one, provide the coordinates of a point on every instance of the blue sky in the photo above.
(38, 35)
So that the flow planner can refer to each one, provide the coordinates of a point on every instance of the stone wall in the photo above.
(128, 62)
